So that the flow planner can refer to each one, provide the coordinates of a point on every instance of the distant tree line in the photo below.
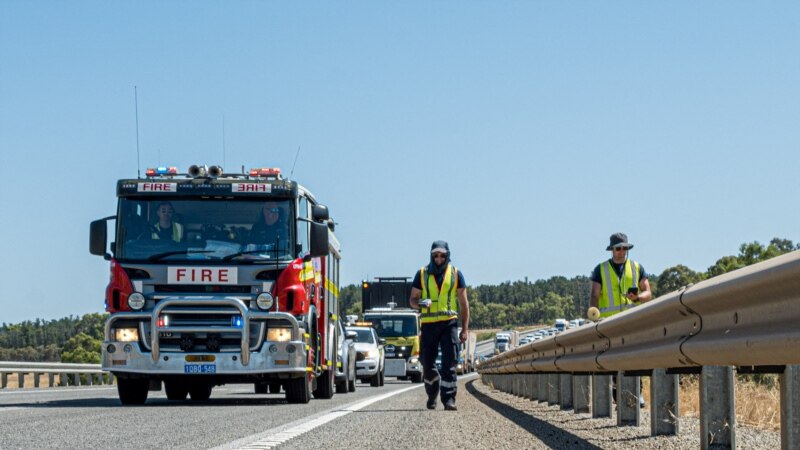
(510, 303)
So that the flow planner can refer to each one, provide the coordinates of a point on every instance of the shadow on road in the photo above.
(549, 434)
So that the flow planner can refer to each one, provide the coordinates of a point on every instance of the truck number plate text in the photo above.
(200, 368)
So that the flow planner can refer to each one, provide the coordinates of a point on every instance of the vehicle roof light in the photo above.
(161, 170)
(271, 172)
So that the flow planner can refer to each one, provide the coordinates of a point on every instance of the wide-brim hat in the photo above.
(619, 240)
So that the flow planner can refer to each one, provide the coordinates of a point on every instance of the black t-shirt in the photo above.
(416, 283)
(618, 268)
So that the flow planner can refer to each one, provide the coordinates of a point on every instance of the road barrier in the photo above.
(746, 321)
(69, 374)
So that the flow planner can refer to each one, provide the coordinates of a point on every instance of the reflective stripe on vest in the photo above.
(177, 232)
(444, 305)
(613, 290)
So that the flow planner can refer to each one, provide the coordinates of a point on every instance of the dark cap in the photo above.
(618, 240)
(441, 247)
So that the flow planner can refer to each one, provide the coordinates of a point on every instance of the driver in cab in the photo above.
(166, 228)
(270, 226)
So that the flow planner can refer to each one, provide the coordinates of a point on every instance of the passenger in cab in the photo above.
(271, 225)
(166, 228)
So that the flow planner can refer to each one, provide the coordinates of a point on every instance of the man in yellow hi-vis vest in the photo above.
(439, 291)
(619, 283)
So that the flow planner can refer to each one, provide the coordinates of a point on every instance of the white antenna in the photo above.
(136, 100)
(295, 162)
(223, 141)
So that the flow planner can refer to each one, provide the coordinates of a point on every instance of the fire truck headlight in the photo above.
(126, 335)
(279, 334)
(265, 301)
(136, 301)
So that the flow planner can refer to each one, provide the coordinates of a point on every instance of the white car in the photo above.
(370, 361)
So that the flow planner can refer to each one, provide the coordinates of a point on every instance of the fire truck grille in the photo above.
(200, 289)
(204, 341)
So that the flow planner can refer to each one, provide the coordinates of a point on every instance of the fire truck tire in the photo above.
(175, 390)
(324, 388)
(416, 378)
(341, 387)
(260, 388)
(132, 391)
(298, 390)
(274, 388)
(200, 392)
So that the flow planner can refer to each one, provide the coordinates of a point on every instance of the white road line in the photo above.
(276, 436)
(11, 408)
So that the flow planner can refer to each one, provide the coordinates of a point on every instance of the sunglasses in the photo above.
(439, 255)
(273, 210)
(619, 249)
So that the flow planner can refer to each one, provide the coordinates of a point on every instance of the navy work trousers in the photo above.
(442, 334)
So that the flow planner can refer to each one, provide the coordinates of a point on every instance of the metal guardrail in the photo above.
(69, 374)
(749, 319)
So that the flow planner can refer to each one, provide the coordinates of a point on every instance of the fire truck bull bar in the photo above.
(246, 314)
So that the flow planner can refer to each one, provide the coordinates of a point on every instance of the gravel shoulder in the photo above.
(488, 418)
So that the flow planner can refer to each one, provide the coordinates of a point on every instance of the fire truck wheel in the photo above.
(132, 391)
(274, 388)
(298, 390)
(200, 392)
(175, 390)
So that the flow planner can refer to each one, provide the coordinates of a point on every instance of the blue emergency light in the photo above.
(237, 322)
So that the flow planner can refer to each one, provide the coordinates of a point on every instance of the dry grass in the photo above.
(757, 405)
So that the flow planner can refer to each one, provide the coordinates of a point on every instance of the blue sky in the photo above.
(524, 133)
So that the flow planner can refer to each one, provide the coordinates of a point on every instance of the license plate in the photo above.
(200, 368)
(389, 355)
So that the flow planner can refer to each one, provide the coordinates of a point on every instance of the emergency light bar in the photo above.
(163, 170)
(266, 172)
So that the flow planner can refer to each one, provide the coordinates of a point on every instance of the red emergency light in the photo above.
(163, 170)
(265, 172)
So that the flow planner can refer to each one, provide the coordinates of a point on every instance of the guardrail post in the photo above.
(20, 380)
(580, 393)
(3, 380)
(628, 391)
(535, 386)
(790, 408)
(51, 379)
(565, 390)
(601, 396)
(77, 378)
(717, 407)
(543, 389)
(553, 393)
(517, 385)
(665, 404)
(36, 376)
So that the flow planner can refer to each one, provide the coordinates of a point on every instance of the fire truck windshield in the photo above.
(155, 229)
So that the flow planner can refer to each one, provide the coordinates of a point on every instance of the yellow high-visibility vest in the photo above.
(177, 232)
(613, 290)
(444, 301)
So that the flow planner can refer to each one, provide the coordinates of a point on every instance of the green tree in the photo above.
(81, 348)
(675, 277)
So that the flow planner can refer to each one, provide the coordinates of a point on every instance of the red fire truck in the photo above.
(219, 278)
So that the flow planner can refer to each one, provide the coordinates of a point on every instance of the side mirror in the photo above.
(98, 237)
(319, 239)
(382, 341)
(352, 335)
(319, 213)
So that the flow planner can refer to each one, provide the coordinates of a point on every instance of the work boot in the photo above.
(431, 403)
(450, 405)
